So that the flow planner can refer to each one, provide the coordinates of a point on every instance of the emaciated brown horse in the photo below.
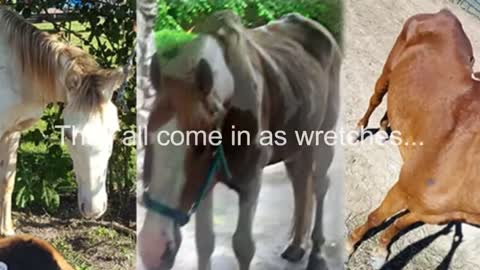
(434, 104)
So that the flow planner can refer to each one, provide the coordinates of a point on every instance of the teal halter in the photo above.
(181, 218)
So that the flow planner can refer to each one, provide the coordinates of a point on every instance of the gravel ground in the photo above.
(371, 28)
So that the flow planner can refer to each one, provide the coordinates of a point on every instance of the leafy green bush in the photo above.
(184, 14)
(44, 171)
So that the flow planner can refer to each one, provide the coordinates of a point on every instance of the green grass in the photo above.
(66, 249)
(80, 247)
(102, 232)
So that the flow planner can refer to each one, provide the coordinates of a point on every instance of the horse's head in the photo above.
(194, 87)
(91, 121)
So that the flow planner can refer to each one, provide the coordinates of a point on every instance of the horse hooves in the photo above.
(293, 254)
(378, 258)
(377, 262)
(349, 248)
(316, 263)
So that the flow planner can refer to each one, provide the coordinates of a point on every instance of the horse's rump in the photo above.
(436, 115)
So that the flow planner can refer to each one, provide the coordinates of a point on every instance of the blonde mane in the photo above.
(42, 59)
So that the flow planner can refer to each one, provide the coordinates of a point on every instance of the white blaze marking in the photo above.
(167, 181)
(168, 177)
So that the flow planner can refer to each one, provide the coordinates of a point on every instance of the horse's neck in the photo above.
(46, 94)
(22, 100)
(17, 78)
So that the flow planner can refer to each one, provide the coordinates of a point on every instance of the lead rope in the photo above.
(219, 160)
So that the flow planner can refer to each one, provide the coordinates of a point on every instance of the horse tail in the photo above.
(383, 82)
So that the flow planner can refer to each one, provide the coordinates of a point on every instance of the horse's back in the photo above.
(303, 61)
(429, 47)
(314, 37)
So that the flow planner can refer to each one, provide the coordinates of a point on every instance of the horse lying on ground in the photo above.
(434, 103)
(283, 76)
(35, 70)
(25, 252)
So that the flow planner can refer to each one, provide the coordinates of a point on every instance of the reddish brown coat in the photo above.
(25, 252)
(434, 102)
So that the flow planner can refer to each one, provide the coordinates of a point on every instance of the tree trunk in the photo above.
(146, 14)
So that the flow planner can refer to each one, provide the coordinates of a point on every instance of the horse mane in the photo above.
(42, 58)
(226, 27)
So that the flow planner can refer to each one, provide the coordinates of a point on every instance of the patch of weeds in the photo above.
(102, 232)
(70, 255)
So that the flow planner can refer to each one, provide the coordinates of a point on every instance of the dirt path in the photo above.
(86, 245)
(371, 27)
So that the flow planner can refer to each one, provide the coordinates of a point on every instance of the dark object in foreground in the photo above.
(26, 252)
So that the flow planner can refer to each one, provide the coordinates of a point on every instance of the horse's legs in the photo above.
(301, 176)
(393, 203)
(8, 160)
(323, 159)
(381, 88)
(243, 243)
(205, 237)
(384, 121)
(381, 252)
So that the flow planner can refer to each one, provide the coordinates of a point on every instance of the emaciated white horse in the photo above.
(35, 70)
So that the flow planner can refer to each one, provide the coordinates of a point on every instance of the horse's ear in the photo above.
(204, 77)
(155, 70)
(73, 82)
(112, 79)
